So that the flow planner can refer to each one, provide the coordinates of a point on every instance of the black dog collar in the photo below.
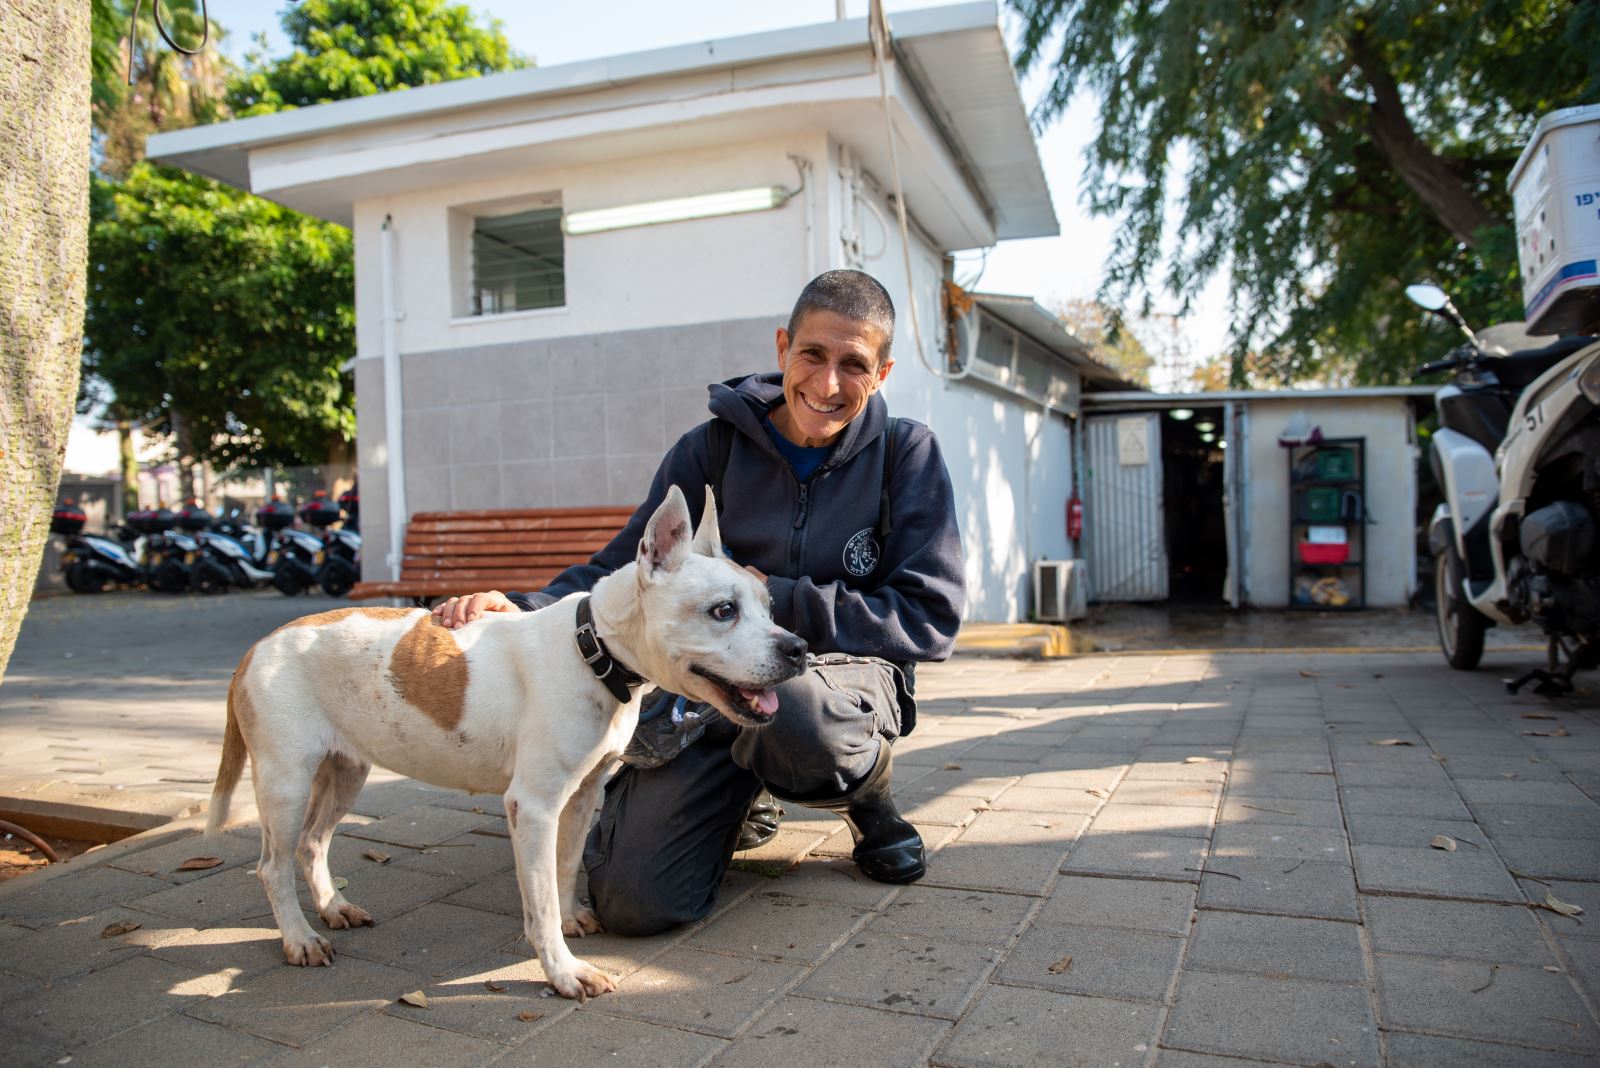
(607, 668)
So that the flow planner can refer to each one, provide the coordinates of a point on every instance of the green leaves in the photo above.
(231, 311)
(227, 308)
(1295, 179)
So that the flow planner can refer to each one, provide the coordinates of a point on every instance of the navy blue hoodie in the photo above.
(831, 582)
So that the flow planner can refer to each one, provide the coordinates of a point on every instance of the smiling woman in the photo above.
(834, 355)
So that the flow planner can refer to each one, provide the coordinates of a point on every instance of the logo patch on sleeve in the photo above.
(861, 554)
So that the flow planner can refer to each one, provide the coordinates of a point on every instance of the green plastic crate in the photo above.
(1321, 504)
(1336, 463)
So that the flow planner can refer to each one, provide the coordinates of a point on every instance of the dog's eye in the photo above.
(724, 611)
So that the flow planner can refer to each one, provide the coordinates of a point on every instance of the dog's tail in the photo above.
(234, 753)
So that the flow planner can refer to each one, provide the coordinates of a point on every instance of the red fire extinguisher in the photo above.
(1074, 518)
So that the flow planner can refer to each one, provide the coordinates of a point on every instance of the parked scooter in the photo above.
(225, 561)
(296, 554)
(1518, 458)
(92, 562)
(164, 553)
(341, 563)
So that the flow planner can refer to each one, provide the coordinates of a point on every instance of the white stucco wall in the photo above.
(1011, 475)
(703, 270)
(1391, 455)
(1010, 465)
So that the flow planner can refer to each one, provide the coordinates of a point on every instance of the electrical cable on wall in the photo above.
(878, 31)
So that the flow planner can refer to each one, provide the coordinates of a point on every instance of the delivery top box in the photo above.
(1555, 188)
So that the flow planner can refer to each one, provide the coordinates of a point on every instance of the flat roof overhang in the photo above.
(969, 164)
(1420, 397)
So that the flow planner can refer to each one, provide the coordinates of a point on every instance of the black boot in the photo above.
(888, 849)
(760, 822)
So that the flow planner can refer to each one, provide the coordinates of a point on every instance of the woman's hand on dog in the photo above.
(458, 611)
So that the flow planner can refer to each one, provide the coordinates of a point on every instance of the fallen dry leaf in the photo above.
(1444, 842)
(1557, 732)
(478, 809)
(952, 767)
(1438, 756)
(416, 997)
(1393, 741)
(374, 855)
(1309, 675)
(1537, 715)
(199, 864)
(121, 927)
(1555, 904)
(493, 987)
(1060, 966)
(1097, 792)
(340, 882)
(529, 1017)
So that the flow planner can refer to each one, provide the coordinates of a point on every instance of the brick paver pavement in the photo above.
(1182, 860)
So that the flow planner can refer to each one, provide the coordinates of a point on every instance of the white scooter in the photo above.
(1517, 456)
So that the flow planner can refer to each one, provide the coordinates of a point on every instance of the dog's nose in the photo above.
(793, 647)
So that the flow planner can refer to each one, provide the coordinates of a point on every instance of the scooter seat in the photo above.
(1524, 366)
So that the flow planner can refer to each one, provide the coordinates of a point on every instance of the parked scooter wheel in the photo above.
(81, 578)
(209, 577)
(287, 581)
(337, 577)
(1461, 626)
(170, 577)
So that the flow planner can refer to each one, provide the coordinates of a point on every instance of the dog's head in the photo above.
(707, 622)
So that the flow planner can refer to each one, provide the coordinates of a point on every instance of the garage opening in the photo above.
(1192, 459)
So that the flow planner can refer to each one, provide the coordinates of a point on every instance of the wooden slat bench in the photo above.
(452, 553)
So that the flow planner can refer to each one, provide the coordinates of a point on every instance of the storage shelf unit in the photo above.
(1328, 489)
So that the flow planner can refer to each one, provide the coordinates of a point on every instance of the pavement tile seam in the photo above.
(1121, 998)
(656, 1023)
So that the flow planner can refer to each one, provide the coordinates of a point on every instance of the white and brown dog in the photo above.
(511, 705)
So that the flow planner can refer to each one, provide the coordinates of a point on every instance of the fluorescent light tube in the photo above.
(734, 202)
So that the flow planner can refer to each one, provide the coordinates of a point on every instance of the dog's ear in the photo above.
(708, 536)
(665, 544)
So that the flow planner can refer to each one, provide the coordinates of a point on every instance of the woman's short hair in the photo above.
(852, 294)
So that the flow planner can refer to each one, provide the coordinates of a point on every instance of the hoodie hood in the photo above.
(745, 400)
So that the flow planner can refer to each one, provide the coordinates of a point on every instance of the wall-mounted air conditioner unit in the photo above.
(1060, 590)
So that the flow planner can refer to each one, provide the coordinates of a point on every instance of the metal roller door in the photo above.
(1124, 542)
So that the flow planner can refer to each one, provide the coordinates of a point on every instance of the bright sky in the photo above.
(557, 31)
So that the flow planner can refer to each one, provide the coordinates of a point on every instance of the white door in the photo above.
(1123, 521)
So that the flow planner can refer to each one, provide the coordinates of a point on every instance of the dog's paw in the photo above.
(586, 981)
(315, 951)
(583, 922)
(342, 916)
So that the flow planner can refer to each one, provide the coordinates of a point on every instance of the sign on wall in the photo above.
(1133, 441)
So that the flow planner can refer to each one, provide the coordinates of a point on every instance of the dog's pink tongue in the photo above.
(763, 701)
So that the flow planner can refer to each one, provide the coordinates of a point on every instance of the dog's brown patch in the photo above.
(428, 669)
(324, 619)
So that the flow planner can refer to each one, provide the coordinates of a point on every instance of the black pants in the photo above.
(665, 835)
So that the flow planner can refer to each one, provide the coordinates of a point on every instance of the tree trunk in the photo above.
(128, 463)
(44, 215)
(1439, 187)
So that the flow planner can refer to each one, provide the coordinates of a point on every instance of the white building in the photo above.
(549, 352)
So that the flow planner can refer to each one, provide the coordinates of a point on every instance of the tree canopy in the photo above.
(1108, 336)
(223, 318)
(348, 48)
(1330, 153)
(222, 307)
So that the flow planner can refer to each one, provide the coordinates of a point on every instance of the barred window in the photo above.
(518, 262)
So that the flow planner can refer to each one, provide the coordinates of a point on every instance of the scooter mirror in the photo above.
(1428, 296)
